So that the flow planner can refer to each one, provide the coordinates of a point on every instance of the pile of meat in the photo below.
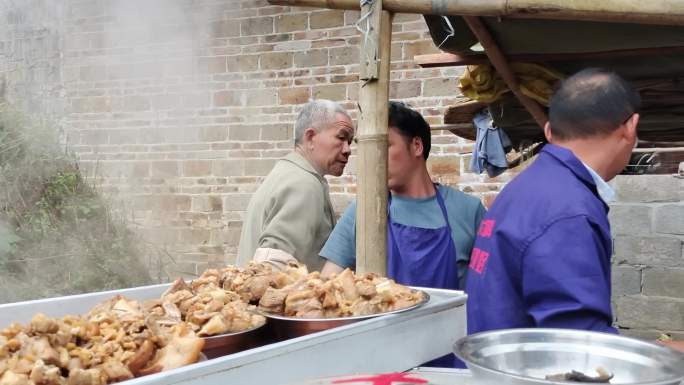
(295, 292)
(342, 295)
(205, 306)
(121, 339)
(113, 342)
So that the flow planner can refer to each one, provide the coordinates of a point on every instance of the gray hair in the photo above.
(316, 114)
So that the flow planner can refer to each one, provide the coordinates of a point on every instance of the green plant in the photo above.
(58, 234)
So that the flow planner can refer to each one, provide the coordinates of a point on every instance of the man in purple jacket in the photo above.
(542, 255)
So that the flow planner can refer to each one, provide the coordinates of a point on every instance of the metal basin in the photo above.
(224, 344)
(284, 327)
(526, 356)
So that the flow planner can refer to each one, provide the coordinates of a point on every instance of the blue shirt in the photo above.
(604, 190)
(464, 211)
(542, 255)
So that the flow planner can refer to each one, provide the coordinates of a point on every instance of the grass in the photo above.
(58, 234)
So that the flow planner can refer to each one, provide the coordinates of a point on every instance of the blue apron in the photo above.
(418, 256)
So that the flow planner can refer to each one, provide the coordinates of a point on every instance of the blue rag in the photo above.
(491, 145)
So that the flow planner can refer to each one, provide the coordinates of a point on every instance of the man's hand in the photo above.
(278, 259)
(329, 269)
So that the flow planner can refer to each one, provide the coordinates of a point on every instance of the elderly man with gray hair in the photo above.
(290, 216)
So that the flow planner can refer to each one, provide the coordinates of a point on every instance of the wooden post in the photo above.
(371, 190)
(666, 12)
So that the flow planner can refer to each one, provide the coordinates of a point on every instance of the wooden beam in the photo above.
(499, 62)
(666, 12)
(448, 59)
(371, 190)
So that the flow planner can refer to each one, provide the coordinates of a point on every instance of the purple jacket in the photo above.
(542, 255)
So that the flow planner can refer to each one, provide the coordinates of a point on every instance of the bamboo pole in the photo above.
(667, 12)
(371, 194)
(499, 62)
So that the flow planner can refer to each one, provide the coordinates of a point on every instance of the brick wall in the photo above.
(177, 109)
(647, 222)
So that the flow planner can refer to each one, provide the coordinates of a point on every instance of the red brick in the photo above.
(276, 132)
(276, 61)
(444, 165)
(419, 48)
(401, 89)
(344, 55)
(243, 63)
(292, 22)
(335, 92)
(261, 97)
(256, 26)
(311, 58)
(440, 87)
(297, 95)
(406, 18)
(196, 167)
(326, 19)
(225, 28)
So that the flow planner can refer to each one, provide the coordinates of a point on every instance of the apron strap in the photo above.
(442, 206)
(440, 202)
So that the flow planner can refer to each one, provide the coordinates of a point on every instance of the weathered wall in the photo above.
(647, 222)
(178, 108)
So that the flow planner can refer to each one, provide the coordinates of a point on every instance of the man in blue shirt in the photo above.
(542, 255)
(431, 228)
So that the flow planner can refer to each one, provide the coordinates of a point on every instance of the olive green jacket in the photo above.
(291, 211)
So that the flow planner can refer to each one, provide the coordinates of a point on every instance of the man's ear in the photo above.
(631, 128)
(417, 146)
(309, 133)
(547, 132)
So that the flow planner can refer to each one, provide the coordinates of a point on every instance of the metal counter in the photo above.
(391, 343)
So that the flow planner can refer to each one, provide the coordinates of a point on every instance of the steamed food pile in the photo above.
(113, 342)
(296, 293)
(121, 339)
(205, 306)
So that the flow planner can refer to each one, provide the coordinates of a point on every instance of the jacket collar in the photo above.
(298, 160)
(570, 161)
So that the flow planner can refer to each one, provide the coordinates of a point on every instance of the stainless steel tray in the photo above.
(394, 342)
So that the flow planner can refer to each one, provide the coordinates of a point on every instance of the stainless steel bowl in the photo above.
(527, 356)
(290, 327)
(229, 343)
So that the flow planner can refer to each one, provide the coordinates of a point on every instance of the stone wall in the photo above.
(178, 108)
(647, 222)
